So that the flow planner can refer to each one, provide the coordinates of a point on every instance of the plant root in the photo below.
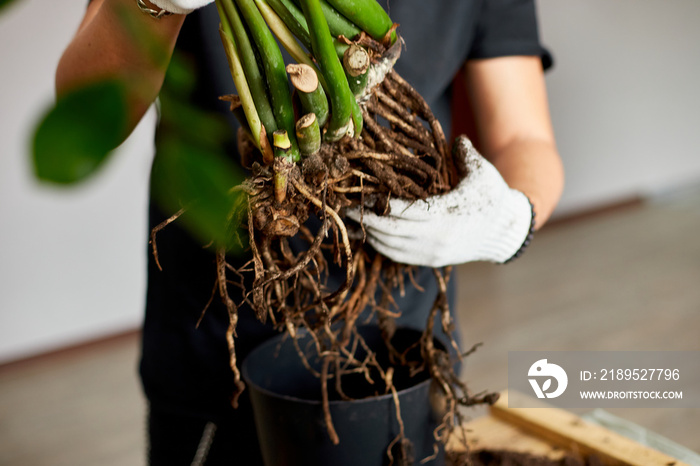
(158, 228)
(402, 153)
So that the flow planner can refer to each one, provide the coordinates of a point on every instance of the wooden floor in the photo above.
(628, 280)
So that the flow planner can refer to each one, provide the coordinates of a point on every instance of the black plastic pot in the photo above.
(289, 419)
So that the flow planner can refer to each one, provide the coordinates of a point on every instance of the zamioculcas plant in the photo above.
(336, 129)
(321, 149)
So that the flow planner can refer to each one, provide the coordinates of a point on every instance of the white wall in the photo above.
(624, 95)
(624, 99)
(72, 262)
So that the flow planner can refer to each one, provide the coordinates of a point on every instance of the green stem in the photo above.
(340, 47)
(275, 73)
(297, 24)
(256, 127)
(338, 89)
(293, 19)
(308, 134)
(368, 15)
(281, 142)
(313, 98)
(283, 34)
(255, 79)
(337, 23)
(295, 10)
(356, 62)
(358, 84)
(283, 164)
(357, 119)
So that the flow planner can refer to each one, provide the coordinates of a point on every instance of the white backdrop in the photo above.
(72, 262)
(624, 100)
(624, 96)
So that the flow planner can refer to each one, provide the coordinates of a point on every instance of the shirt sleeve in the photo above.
(508, 27)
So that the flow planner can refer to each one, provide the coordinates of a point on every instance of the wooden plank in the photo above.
(490, 433)
(568, 431)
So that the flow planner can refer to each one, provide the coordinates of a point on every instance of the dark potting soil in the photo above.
(512, 458)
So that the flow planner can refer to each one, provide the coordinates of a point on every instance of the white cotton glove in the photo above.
(180, 7)
(480, 219)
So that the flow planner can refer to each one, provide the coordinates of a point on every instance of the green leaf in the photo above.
(181, 118)
(4, 3)
(76, 136)
(200, 180)
(180, 78)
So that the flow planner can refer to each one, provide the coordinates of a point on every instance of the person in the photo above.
(518, 182)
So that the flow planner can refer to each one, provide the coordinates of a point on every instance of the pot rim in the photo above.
(276, 340)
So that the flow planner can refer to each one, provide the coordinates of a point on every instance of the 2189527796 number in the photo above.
(640, 374)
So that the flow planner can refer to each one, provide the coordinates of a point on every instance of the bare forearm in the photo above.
(534, 168)
(117, 40)
(509, 100)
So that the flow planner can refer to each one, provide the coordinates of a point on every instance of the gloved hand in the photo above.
(180, 7)
(480, 219)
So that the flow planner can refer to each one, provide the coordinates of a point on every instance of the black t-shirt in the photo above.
(185, 369)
